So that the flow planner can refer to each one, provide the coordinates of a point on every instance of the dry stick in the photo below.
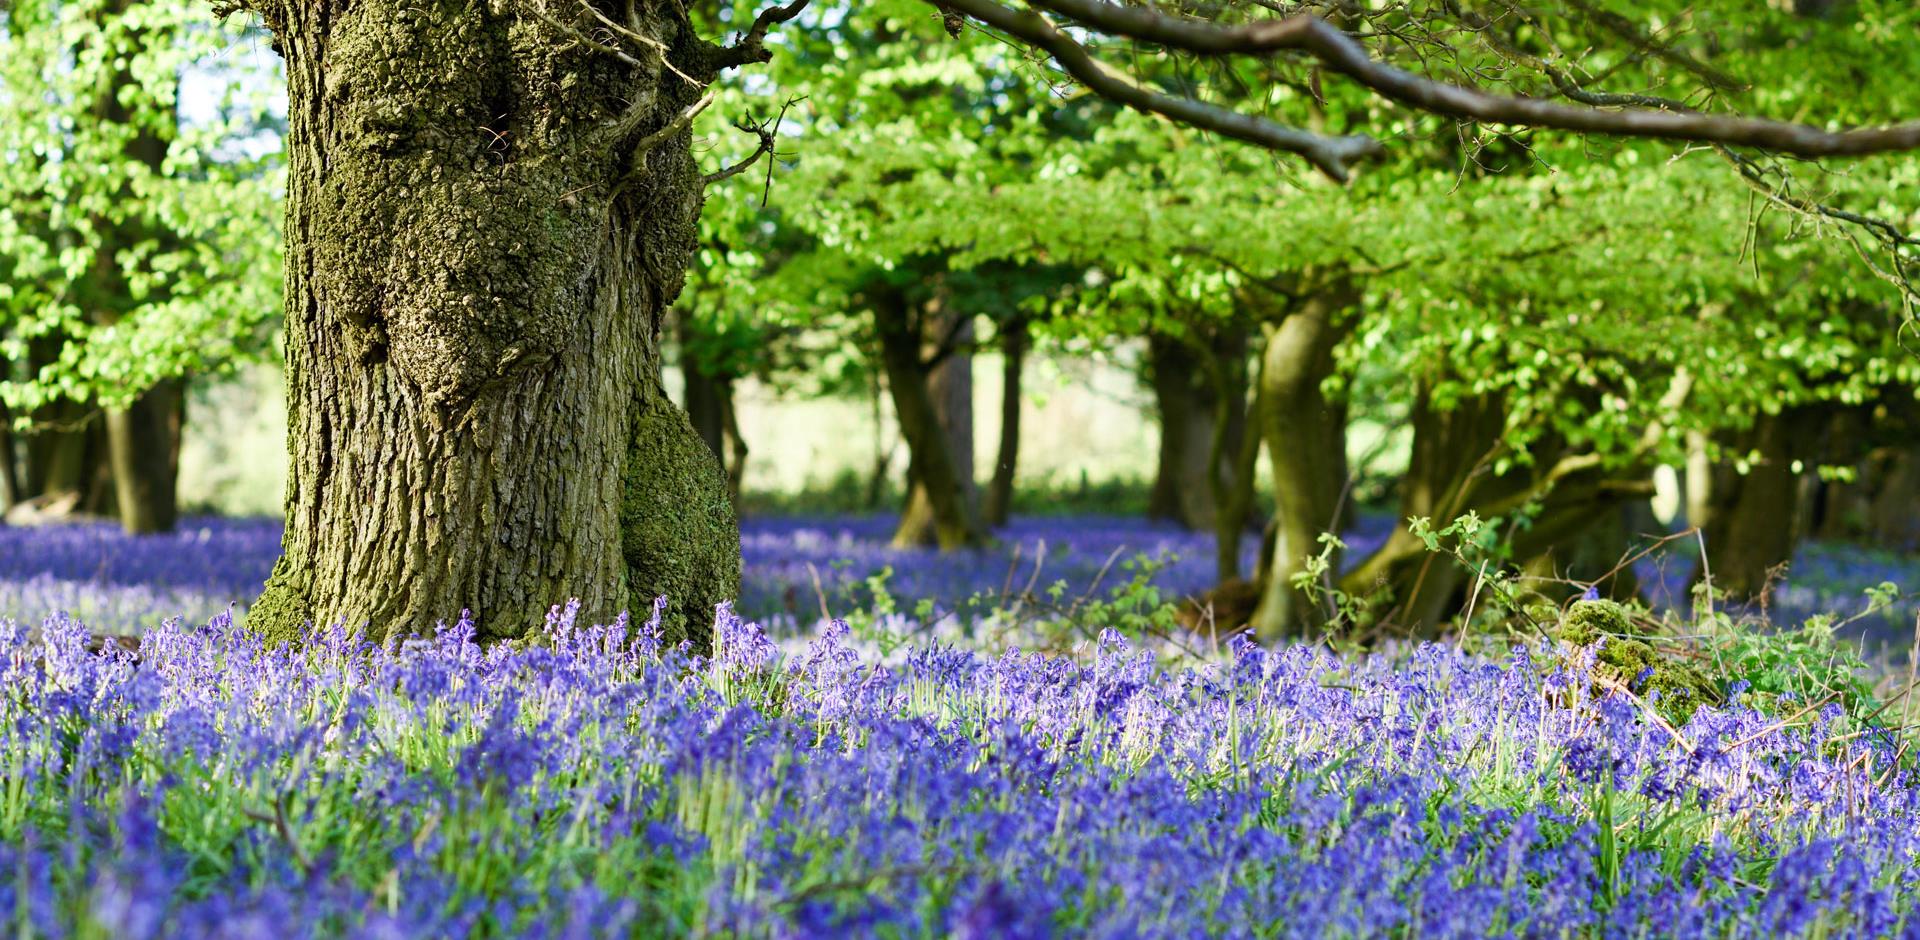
(1039, 555)
(1782, 723)
(819, 592)
(1013, 563)
(1097, 578)
(1646, 708)
(1706, 570)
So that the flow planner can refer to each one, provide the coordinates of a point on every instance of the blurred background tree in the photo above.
(138, 242)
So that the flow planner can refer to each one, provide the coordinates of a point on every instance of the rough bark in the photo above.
(479, 257)
(1306, 439)
(940, 508)
(1013, 361)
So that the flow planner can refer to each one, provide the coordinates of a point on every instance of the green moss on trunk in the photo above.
(677, 527)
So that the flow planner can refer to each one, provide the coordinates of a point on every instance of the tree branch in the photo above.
(1341, 53)
(769, 134)
(1331, 155)
(751, 48)
(679, 123)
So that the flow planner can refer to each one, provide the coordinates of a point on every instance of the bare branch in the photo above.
(752, 48)
(1341, 53)
(769, 134)
(1331, 155)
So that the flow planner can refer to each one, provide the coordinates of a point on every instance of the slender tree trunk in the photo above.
(1234, 487)
(143, 446)
(1013, 362)
(1306, 438)
(482, 242)
(940, 509)
(140, 440)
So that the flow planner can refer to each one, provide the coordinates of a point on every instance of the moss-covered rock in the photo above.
(1625, 657)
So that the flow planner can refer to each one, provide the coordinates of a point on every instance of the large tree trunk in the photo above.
(1306, 438)
(1013, 362)
(483, 239)
(940, 508)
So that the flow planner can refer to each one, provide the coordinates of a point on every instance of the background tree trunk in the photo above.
(709, 405)
(1894, 519)
(1183, 401)
(934, 405)
(1448, 461)
(143, 446)
(1754, 521)
(9, 464)
(1013, 359)
(478, 264)
(1306, 438)
(142, 439)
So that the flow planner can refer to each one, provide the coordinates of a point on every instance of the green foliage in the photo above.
(138, 241)
(1788, 669)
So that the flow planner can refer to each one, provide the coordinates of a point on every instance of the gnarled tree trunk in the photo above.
(1199, 386)
(487, 220)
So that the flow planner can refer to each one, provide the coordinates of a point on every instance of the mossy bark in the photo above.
(479, 258)
(1306, 438)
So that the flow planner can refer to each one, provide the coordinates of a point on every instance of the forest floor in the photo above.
(816, 783)
(797, 567)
